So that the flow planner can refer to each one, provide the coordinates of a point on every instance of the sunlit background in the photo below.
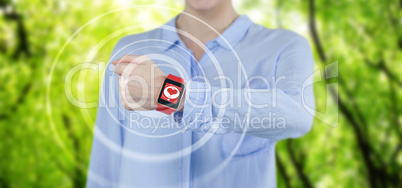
(356, 140)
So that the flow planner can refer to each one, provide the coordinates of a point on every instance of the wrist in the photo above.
(183, 98)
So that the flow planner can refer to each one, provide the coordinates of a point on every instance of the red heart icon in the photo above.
(171, 91)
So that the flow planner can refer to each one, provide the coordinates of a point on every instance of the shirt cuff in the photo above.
(197, 111)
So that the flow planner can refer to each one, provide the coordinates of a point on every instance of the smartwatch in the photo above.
(170, 94)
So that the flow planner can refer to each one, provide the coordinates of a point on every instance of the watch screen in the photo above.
(171, 93)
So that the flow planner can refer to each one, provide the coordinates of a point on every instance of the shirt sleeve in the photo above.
(274, 113)
(104, 167)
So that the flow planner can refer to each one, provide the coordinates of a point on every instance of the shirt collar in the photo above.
(169, 36)
(228, 39)
(235, 32)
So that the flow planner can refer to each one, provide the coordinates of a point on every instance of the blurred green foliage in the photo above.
(45, 140)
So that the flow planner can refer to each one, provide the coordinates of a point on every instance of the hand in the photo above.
(139, 82)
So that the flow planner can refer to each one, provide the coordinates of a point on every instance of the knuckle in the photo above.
(126, 106)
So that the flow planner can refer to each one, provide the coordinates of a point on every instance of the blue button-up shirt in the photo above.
(251, 88)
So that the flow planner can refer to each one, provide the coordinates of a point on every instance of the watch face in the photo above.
(171, 93)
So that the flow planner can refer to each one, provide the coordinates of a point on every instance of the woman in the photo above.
(244, 90)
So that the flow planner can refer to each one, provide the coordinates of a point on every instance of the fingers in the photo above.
(125, 59)
(136, 86)
(131, 59)
(126, 69)
(135, 79)
(133, 96)
(132, 103)
(120, 68)
(128, 62)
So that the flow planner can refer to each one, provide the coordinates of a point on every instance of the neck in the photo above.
(219, 18)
